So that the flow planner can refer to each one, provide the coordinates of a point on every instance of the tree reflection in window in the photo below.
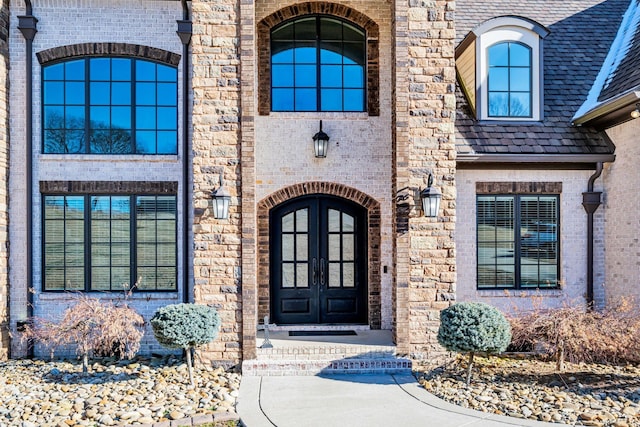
(510, 80)
(110, 106)
(318, 64)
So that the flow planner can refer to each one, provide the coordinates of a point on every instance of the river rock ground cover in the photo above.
(584, 394)
(141, 391)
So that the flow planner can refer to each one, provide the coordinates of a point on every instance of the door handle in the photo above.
(314, 273)
(322, 271)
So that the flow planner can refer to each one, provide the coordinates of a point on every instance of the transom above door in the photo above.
(318, 261)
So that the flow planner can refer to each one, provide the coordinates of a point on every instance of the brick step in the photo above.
(332, 352)
(283, 367)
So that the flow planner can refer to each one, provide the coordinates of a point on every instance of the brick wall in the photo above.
(4, 193)
(573, 237)
(151, 24)
(622, 203)
(423, 142)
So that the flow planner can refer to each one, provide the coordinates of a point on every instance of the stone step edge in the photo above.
(333, 352)
(301, 357)
(313, 367)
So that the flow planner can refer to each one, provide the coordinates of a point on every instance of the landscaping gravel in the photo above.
(143, 391)
(584, 394)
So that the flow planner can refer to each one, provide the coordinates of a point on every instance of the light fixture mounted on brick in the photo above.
(221, 201)
(636, 113)
(430, 197)
(320, 143)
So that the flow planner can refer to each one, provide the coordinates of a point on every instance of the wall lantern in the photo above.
(430, 197)
(320, 143)
(221, 201)
(636, 113)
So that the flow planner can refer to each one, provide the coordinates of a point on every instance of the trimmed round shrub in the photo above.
(473, 327)
(185, 325)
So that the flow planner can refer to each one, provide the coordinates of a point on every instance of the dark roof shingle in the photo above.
(581, 32)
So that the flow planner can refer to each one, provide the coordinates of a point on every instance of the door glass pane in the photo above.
(348, 275)
(287, 223)
(348, 247)
(347, 222)
(334, 247)
(287, 247)
(334, 220)
(302, 247)
(302, 275)
(302, 220)
(333, 275)
(288, 275)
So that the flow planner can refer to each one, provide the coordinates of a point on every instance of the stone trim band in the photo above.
(108, 187)
(518, 187)
(107, 49)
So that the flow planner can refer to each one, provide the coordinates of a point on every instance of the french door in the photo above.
(318, 261)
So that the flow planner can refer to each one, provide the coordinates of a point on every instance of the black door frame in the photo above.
(318, 303)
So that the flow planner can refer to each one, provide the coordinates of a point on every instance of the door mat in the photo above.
(320, 333)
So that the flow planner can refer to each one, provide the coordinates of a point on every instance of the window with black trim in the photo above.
(109, 105)
(100, 242)
(318, 64)
(518, 241)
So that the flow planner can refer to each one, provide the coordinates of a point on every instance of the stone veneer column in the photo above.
(424, 112)
(216, 149)
(5, 344)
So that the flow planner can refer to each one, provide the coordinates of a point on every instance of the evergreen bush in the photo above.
(471, 327)
(185, 326)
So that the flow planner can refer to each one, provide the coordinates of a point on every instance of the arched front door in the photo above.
(318, 261)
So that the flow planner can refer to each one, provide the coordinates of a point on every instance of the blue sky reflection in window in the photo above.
(509, 80)
(110, 106)
(318, 64)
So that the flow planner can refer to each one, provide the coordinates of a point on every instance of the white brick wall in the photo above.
(573, 240)
(359, 155)
(65, 22)
(622, 222)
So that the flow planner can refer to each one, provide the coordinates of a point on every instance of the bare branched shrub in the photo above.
(579, 335)
(94, 326)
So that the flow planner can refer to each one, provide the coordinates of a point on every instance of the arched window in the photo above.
(500, 69)
(510, 82)
(109, 105)
(318, 64)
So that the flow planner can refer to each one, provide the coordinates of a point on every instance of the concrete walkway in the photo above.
(354, 401)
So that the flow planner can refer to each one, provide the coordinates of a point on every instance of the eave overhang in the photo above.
(611, 112)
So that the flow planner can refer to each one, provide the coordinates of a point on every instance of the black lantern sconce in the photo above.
(221, 201)
(430, 197)
(320, 143)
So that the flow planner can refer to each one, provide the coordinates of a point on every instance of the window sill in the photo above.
(341, 115)
(506, 122)
(115, 296)
(521, 293)
(109, 158)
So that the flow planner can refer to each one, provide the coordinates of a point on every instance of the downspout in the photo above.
(591, 202)
(27, 24)
(184, 32)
